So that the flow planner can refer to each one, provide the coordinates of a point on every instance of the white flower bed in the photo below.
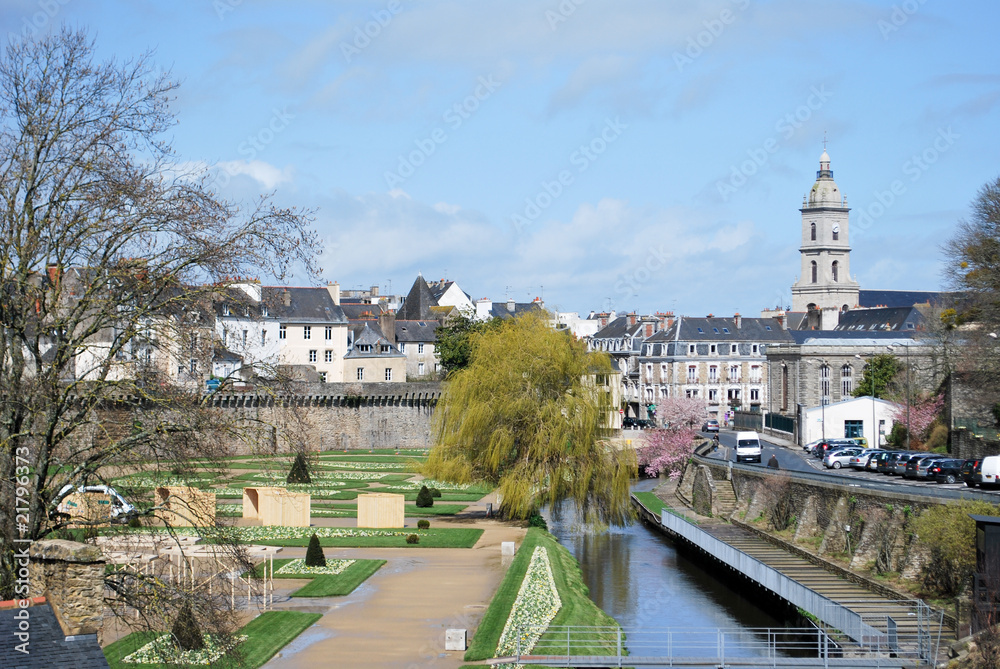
(326, 512)
(135, 481)
(298, 566)
(325, 476)
(364, 466)
(269, 532)
(431, 483)
(314, 491)
(537, 603)
(162, 649)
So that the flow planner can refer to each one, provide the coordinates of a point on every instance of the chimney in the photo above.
(53, 272)
(739, 321)
(333, 288)
(70, 576)
(649, 329)
(387, 321)
(484, 309)
(510, 305)
(604, 320)
(631, 318)
(286, 298)
(374, 291)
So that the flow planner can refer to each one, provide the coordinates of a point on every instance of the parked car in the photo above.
(811, 446)
(710, 426)
(644, 424)
(896, 465)
(840, 458)
(969, 470)
(860, 441)
(860, 461)
(924, 465)
(828, 445)
(877, 460)
(628, 422)
(916, 466)
(988, 472)
(946, 471)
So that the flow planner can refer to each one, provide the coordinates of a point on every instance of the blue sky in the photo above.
(647, 155)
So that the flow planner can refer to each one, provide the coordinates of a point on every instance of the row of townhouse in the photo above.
(720, 360)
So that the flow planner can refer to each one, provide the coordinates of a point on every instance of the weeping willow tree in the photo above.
(530, 415)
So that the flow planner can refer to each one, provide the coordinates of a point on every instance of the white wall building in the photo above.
(850, 418)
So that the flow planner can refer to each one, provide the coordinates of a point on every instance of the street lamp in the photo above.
(822, 397)
(907, 349)
(875, 434)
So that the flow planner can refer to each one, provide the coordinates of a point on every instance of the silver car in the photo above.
(860, 461)
(838, 459)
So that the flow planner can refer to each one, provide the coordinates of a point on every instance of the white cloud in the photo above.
(265, 174)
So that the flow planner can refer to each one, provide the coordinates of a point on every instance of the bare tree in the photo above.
(110, 263)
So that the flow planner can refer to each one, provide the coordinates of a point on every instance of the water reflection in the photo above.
(637, 576)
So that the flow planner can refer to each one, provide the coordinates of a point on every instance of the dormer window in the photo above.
(225, 309)
(263, 311)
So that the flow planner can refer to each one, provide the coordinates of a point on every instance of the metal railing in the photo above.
(578, 646)
(778, 422)
(825, 609)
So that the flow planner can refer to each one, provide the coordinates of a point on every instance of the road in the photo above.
(795, 459)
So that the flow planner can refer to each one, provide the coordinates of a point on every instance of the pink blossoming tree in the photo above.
(668, 449)
(922, 415)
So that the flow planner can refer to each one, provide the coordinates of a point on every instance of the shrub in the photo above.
(186, 633)
(950, 535)
(423, 524)
(134, 522)
(412, 539)
(435, 492)
(937, 440)
(314, 554)
(536, 520)
(424, 498)
(300, 470)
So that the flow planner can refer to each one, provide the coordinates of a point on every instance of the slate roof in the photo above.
(617, 329)
(846, 337)
(500, 309)
(689, 329)
(900, 298)
(48, 645)
(357, 311)
(369, 334)
(306, 305)
(419, 301)
(890, 318)
(416, 331)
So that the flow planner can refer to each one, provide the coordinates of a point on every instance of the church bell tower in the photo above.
(825, 283)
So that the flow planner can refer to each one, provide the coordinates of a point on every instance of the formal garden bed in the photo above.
(575, 607)
(342, 537)
(261, 638)
(338, 578)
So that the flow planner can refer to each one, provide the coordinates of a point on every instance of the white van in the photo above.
(747, 447)
(988, 473)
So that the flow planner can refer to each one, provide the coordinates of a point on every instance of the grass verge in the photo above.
(650, 501)
(576, 609)
(267, 634)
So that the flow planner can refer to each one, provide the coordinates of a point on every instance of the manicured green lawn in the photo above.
(458, 537)
(328, 585)
(268, 633)
(576, 609)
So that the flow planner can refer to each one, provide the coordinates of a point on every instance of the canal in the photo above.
(637, 576)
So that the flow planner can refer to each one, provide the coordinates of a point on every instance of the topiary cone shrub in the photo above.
(186, 633)
(314, 554)
(300, 471)
(423, 524)
(424, 497)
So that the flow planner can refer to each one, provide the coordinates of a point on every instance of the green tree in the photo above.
(530, 415)
(186, 631)
(972, 256)
(314, 553)
(299, 473)
(454, 340)
(878, 379)
(424, 497)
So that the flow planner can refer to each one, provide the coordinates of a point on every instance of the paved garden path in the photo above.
(398, 617)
